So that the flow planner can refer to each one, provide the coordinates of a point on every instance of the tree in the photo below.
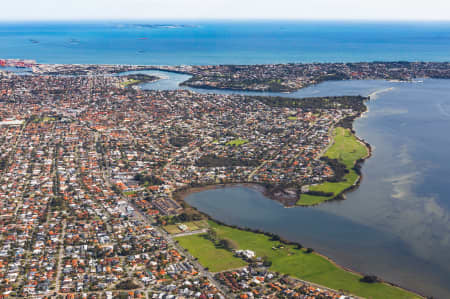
(266, 261)
(212, 234)
(275, 238)
(228, 244)
(369, 279)
(148, 179)
(127, 285)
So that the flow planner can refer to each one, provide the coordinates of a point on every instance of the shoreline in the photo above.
(180, 196)
(356, 167)
(358, 163)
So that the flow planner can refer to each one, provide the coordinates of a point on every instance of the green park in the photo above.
(347, 149)
(289, 259)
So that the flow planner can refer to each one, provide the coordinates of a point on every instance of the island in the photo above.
(93, 170)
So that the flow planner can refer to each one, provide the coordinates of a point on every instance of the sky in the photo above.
(23, 10)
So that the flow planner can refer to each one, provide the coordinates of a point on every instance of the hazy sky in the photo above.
(225, 9)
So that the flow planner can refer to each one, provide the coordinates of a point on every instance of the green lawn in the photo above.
(215, 258)
(48, 119)
(44, 119)
(311, 200)
(130, 82)
(347, 149)
(294, 262)
(237, 142)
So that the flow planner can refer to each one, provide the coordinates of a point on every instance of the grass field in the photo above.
(215, 258)
(347, 149)
(237, 142)
(192, 226)
(131, 81)
(48, 119)
(288, 260)
(129, 193)
(44, 119)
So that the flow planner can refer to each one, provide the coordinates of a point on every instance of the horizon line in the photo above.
(349, 20)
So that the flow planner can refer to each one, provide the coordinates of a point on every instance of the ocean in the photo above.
(235, 42)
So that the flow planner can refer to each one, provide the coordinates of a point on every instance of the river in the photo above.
(396, 224)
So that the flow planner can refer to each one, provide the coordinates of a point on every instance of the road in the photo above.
(202, 271)
(60, 257)
(195, 232)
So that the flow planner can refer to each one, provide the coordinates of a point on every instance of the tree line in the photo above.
(355, 103)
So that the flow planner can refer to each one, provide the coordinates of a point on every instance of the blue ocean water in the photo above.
(224, 42)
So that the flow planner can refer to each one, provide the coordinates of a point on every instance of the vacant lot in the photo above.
(192, 226)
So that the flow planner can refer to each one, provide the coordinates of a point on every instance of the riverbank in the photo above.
(337, 151)
(346, 151)
(291, 259)
(291, 267)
